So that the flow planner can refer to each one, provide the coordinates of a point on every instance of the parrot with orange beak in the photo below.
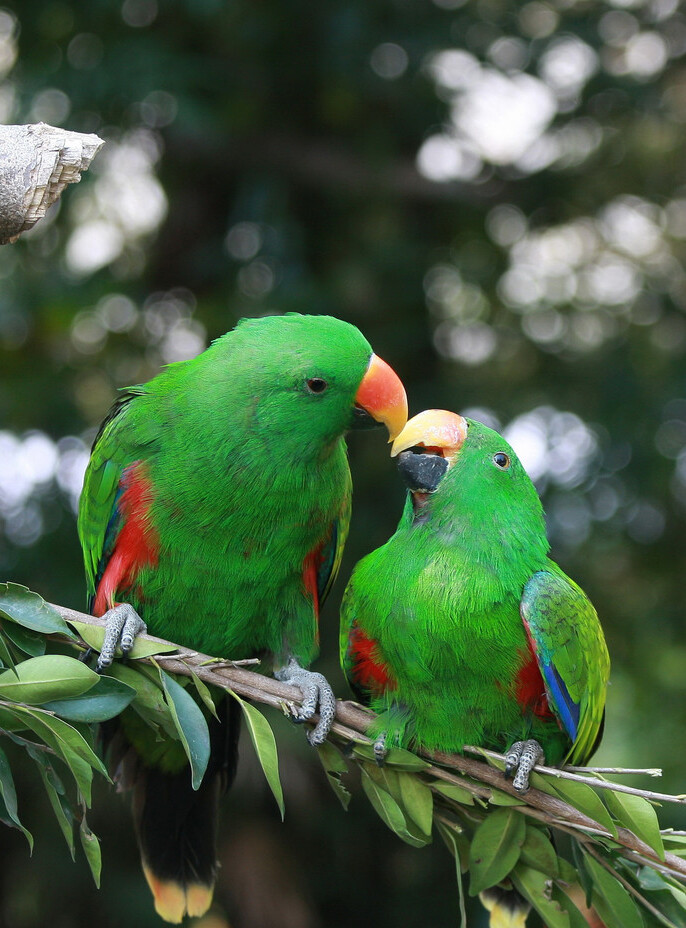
(460, 630)
(214, 512)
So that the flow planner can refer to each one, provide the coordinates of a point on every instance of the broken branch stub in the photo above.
(36, 164)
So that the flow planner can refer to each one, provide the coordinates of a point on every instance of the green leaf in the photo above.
(544, 782)
(204, 694)
(495, 849)
(67, 742)
(585, 878)
(576, 919)
(614, 904)
(149, 703)
(537, 889)
(6, 656)
(9, 796)
(417, 801)
(94, 635)
(388, 809)
(334, 766)
(91, 848)
(538, 852)
(586, 800)
(452, 841)
(678, 894)
(499, 798)
(28, 641)
(262, 737)
(190, 725)
(452, 791)
(404, 760)
(144, 648)
(20, 605)
(496, 762)
(395, 757)
(637, 814)
(106, 699)
(40, 679)
(61, 809)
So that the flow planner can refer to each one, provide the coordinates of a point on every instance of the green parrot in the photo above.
(214, 511)
(460, 630)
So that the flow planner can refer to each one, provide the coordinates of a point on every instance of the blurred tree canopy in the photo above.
(495, 193)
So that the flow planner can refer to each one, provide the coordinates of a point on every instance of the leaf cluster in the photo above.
(51, 704)
(571, 845)
(563, 868)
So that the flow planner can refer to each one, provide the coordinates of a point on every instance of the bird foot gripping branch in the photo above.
(123, 624)
(520, 760)
(317, 694)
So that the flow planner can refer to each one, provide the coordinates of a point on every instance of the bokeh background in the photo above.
(494, 192)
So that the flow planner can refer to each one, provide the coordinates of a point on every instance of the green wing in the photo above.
(569, 645)
(99, 522)
(332, 552)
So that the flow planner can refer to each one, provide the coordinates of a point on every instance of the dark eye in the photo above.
(316, 385)
(502, 460)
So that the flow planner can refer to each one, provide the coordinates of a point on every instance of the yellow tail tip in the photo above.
(198, 899)
(503, 915)
(173, 901)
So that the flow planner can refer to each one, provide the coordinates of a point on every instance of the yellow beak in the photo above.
(434, 428)
(382, 395)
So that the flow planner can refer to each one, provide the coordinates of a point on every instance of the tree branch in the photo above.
(352, 722)
(36, 164)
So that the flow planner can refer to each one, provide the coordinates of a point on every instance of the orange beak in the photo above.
(435, 429)
(382, 395)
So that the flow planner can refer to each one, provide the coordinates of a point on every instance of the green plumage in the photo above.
(248, 473)
(216, 503)
(439, 611)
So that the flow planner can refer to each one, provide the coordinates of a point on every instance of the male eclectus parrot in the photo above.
(460, 629)
(214, 511)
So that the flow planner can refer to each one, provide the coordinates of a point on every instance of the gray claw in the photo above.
(380, 749)
(317, 694)
(122, 625)
(521, 760)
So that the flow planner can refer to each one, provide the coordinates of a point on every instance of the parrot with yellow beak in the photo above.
(460, 630)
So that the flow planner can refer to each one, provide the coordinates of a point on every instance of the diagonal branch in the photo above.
(352, 723)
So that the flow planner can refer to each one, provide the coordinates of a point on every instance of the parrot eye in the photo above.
(501, 460)
(316, 385)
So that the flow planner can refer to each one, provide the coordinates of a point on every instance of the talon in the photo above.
(520, 760)
(317, 696)
(380, 749)
(122, 625)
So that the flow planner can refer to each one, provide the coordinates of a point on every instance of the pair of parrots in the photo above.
(214, 511)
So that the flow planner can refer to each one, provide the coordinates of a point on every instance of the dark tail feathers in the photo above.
(176, 825)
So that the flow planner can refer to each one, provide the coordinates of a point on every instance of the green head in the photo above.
(464, 475)
(296, 380)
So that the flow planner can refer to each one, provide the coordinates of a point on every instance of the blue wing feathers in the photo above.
(567, 709)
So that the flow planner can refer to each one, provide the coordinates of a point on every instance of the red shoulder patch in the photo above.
(530, 688)
(137, 543)
(369, 671)
(311, 566)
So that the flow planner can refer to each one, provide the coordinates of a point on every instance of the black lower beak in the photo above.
(361, 420)
(422, 472)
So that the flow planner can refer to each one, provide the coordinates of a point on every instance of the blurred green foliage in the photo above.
(494, 193)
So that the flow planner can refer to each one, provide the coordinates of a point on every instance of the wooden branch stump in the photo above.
(36, 164)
